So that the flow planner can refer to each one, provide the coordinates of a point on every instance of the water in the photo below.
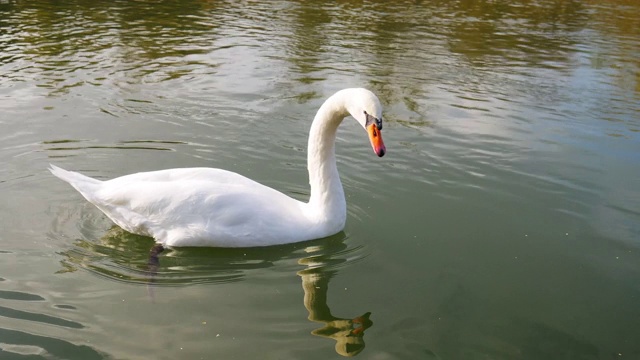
(503, 223)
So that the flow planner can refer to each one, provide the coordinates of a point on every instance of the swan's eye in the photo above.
(372, 120)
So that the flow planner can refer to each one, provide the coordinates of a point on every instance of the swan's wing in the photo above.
(217, 176)
(183, 207)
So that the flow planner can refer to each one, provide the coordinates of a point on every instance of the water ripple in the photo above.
(42, 318)
(18, 295)
(124, 257)
(16, 342)
(22, 344)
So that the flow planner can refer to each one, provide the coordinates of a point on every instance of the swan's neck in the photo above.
(327, 200)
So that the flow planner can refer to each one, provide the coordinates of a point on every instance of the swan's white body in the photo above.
(214, 207)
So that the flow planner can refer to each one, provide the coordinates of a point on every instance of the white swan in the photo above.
(214, 207)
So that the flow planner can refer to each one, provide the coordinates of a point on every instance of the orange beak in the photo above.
(375, 136)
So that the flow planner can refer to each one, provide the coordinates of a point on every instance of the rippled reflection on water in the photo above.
(18, 344)
(122, 256)
(125, 257)
(109, 251)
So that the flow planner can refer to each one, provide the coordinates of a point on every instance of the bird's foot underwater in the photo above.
(152, 268)
(156, 250)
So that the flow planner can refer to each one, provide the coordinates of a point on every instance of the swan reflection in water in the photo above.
(126, 257)
(348, 333)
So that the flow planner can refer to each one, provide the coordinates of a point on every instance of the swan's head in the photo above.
(364, 106)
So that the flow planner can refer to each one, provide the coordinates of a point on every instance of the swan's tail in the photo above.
(84, 184)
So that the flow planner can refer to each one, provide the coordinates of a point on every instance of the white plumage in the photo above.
(214, 207)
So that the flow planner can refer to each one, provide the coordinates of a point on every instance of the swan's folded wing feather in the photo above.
(194, 210)
(213, 175)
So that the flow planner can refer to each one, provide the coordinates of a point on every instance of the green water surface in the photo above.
(503, 222)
